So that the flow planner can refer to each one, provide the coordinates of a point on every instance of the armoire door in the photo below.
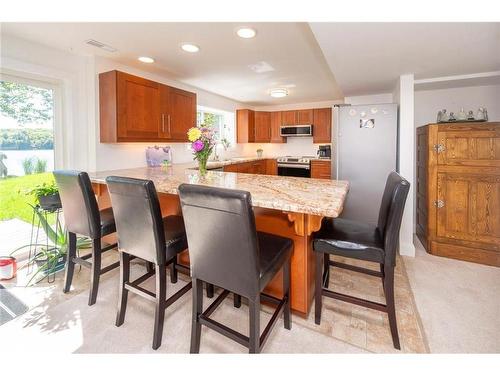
(475, 147)
(468, 208)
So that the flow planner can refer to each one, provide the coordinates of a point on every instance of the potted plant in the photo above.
(52, 259)
(47, 195)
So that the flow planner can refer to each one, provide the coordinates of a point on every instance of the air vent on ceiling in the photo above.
(261, 67)
(100, 45)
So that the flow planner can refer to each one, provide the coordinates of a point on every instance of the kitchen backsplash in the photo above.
(131, 155)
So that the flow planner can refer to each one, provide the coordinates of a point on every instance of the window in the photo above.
(222, 121)
(26, 127)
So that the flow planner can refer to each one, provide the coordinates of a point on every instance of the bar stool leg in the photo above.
(123, 293)
(326, 270)
(161, 296)
(210, 290)
(197, 310)
(70, 265)
(391, 308)
(173, 271)
(236, 300)
(254, 308)
(318, 288)
(286, 292)
(150, 267)
(95, 270)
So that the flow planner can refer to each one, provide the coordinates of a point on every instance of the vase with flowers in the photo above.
(202, 140)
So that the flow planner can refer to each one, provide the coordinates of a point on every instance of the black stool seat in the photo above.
(108, 225)
(274, 251)
(350, 239)
(175, 234)
(226, 250)
(143, 233)
(378, 244)
(83, 217)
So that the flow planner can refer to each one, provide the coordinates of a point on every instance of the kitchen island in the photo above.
(287, 206)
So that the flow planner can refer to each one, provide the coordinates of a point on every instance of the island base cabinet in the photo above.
(297, 227)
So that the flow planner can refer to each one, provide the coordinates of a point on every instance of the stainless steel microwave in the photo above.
(296, 130)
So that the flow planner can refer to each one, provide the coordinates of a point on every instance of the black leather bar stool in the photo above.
(143, 233)
(226, 250)
(82, 216)
(372, 243)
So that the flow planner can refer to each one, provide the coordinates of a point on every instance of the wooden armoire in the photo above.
(458, 190)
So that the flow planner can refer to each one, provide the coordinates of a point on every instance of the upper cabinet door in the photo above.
(138, 108)
(475, 147)
(182, 113)
(304, 116)
(289, 117)
(134, 109)
(322, 125)
(276, 121)
(245, 126)
(262, 126)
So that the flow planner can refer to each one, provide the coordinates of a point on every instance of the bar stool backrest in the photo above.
(391, 214)
(138, 219)
(80, 209)
(222, 238)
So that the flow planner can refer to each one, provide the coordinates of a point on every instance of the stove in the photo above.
(297, 166)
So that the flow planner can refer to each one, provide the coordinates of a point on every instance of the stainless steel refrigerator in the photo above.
(366, 151)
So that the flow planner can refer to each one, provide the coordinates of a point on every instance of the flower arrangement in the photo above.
(202, 140)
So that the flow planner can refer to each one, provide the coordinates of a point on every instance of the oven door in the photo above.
(294, 170)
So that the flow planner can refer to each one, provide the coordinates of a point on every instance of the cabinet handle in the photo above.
(439, 203)
(168, 124)
(163, 122)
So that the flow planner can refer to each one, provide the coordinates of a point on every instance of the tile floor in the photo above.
(344, 328)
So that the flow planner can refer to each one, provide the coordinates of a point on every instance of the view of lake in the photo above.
(14, 161)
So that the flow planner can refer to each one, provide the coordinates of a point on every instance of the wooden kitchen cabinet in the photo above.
(322, 125)
(271, 167)
(231, 168)
(177, 113)
(298, 117)
(262, 126)
(321, 169)
(304, 116)
(458, 191)
(245, 126)
(276, 121)
(134, 109)
(289, 118)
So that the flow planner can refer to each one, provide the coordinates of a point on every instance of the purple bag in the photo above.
(157, 156)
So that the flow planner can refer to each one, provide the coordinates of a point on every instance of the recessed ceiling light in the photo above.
(279, 93)
(147, 60)
(190, 47)
(246, 32)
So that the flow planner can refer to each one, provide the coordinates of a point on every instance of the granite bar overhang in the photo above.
(291, 194)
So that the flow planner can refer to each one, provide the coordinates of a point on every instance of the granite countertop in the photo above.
(290, 194)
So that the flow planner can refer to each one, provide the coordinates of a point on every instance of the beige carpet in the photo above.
(459, 302)
(64, 323)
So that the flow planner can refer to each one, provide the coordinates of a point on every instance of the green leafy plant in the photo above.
(28, 165)
(43, 190)
(48, 257)
(40, 165)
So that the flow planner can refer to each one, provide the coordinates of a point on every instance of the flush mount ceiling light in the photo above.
(246, 32)
(278, 93)
(147, 60)
(188, 47)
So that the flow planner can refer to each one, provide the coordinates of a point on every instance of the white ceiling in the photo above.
(368, 57)
(221, 66)
(316, 62)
